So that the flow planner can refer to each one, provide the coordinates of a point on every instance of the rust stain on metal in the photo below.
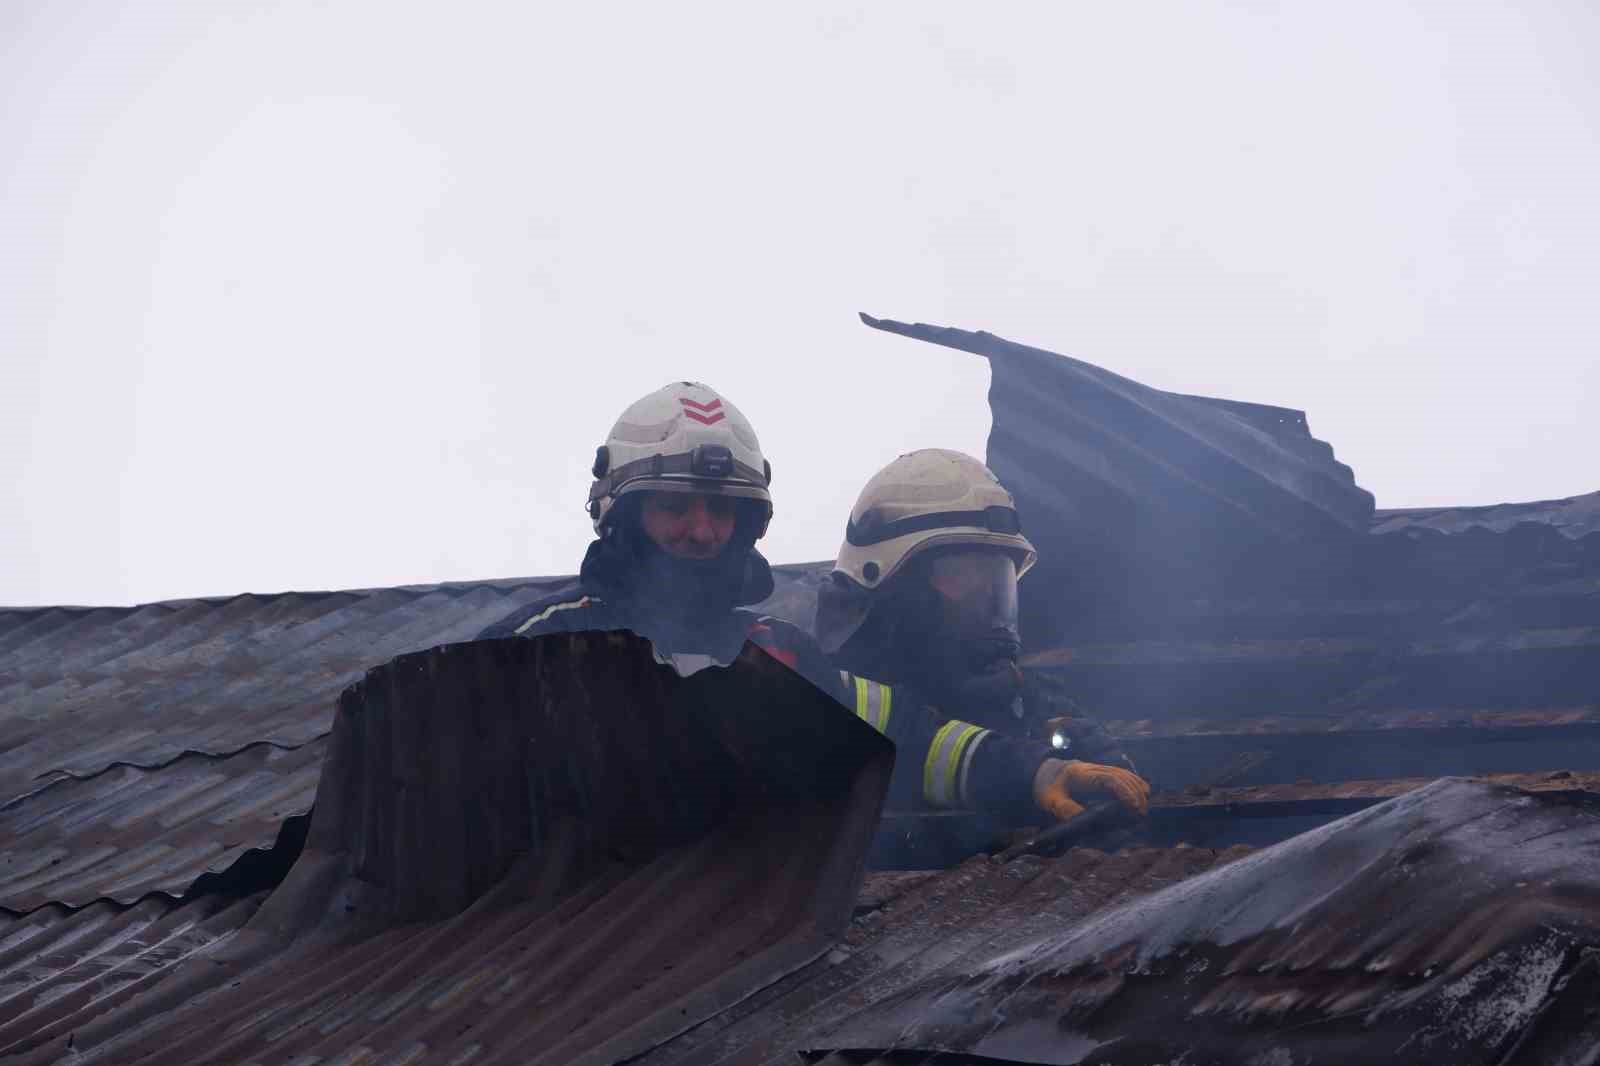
(534, 851)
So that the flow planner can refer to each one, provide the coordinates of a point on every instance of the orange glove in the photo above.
(1059, 786)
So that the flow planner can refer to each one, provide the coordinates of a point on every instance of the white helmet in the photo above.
(683, 437)
(928, 499)
(923, 500)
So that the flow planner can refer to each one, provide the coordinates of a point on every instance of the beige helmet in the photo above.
(683, 437)
(928, 499)
(923, 500)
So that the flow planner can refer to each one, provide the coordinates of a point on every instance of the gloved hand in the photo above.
(1060, 787)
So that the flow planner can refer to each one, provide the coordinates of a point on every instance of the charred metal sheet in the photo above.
(1573, 516)
(1087, 433)
(967, 912)
(1177, 761)
(530, 851)
(128, 831)
(1456, 924)
(1133, 495)
(1305, 792)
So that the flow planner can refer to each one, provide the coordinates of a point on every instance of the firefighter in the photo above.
(920, 614)
(680, 497)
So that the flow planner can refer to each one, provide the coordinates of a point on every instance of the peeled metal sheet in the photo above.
(551, 850)
(1068, 433)
(1134, 496)
(1457, 924)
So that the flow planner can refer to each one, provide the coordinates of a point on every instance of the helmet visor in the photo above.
(977, 593)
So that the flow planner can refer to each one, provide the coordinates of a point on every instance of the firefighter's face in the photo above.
(976, 597)
(688, 525)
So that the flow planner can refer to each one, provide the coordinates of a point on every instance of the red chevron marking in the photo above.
(704, 420)
(706, 407)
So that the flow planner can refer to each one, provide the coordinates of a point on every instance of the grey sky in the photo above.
(314, 295)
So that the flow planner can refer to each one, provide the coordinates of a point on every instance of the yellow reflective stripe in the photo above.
(872, 701)
(548, 611)
(966, 765)
(942, 776)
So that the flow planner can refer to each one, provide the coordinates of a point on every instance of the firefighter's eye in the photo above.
(670, 502)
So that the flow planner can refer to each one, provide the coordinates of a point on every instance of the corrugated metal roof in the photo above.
(1068, 435)
(1441, 963)
(1572, 516)
(552, 850)
(143, 747)
(1457, 924)
(84, 689)
(57, 962)
(1243, 615)
(101, 970)
(128, 831)
(1134, 496)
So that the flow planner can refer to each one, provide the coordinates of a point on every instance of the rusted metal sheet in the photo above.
(1456, 924)
(967, 912)
(550, 850)
(58, 961)
(144, 747)
(176, 720)
(128, 831)
(144, 685)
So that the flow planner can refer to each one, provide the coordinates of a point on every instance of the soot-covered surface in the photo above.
(1457, 924)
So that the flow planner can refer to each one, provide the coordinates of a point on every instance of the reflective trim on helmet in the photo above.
(944, 772)
(994, 519)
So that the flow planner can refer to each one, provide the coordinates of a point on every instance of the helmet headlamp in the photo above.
(711, 460)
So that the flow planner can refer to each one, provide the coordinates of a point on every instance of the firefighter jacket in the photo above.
(945, 762)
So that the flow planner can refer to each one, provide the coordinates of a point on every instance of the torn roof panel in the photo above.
(1572, 516)
(1069, 432)
(186, 704)
(1458, 923)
